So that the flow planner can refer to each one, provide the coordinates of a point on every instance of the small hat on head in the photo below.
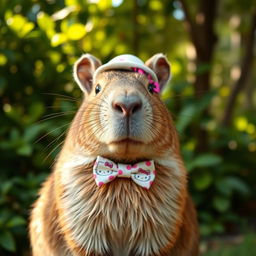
(126, 62)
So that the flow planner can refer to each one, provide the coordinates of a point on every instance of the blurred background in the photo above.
(212, 96)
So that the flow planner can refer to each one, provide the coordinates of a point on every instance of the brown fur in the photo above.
(75, 217)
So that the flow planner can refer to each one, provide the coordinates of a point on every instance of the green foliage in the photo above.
(246, 248)
(40, 40)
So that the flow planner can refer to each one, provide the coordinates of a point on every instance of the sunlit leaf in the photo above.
(64, 26)
(20, 25)
(241, 123)
(155, 5)
(176, 68)
(63, 13)
(26, 28)
(58, 39)
(3, 59)
(46, 23)
(104, 4)
(71, 2)
(76, 31)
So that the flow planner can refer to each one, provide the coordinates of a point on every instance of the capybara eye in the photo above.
(151, 88)
(97, 89)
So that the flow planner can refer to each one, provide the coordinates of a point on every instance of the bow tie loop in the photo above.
(105, 171)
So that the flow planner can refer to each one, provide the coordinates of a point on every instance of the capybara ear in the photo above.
(161, 66)
(83, 71)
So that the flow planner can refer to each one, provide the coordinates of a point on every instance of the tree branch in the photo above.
(246, 66)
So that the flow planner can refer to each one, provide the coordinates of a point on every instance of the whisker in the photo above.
(48, 133)
(57, 115)
(62, 112)
(53, 151)
(55, 140)
(60, 95)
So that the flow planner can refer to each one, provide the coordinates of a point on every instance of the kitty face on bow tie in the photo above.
(142, 177)
(102, 171)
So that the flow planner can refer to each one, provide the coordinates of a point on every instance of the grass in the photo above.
(245, 248)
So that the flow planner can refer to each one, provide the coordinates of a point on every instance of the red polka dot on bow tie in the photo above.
(135, 166)
(111, 177)
(148, 163)
(120, 172)
(128, 167)
(100, 183)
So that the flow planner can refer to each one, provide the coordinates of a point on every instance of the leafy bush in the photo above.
(243, 249)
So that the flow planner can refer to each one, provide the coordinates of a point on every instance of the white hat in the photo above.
(125, 61)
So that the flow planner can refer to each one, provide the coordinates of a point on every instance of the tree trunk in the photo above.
(202, 35)
(246, 66)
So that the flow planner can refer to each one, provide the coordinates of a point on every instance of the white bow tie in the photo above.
(143, 173)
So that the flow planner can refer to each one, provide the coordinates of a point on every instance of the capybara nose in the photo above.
(127, 106)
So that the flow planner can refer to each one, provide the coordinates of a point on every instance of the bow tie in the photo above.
(143, 173)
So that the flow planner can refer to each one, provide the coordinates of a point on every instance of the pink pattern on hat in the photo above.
(150, 79)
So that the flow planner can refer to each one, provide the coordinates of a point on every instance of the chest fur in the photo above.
(120, 216)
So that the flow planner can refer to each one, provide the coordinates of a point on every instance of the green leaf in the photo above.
(217, 227)
(185, 117)
(205, 160)
(202, 180)
(223, 187)
(227, 185)
(6, 187)
(32, 131)
(16, 221)
(35, 111)
(25, 150)
(221, 204)
(203, 68)
(238, 184)
(3, 84)
(7, 241)
(205, 230)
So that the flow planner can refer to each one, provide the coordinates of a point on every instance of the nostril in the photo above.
(127, 108)
(118, 107)
(136, 106)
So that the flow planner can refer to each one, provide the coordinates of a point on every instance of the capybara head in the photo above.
(122, 116)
